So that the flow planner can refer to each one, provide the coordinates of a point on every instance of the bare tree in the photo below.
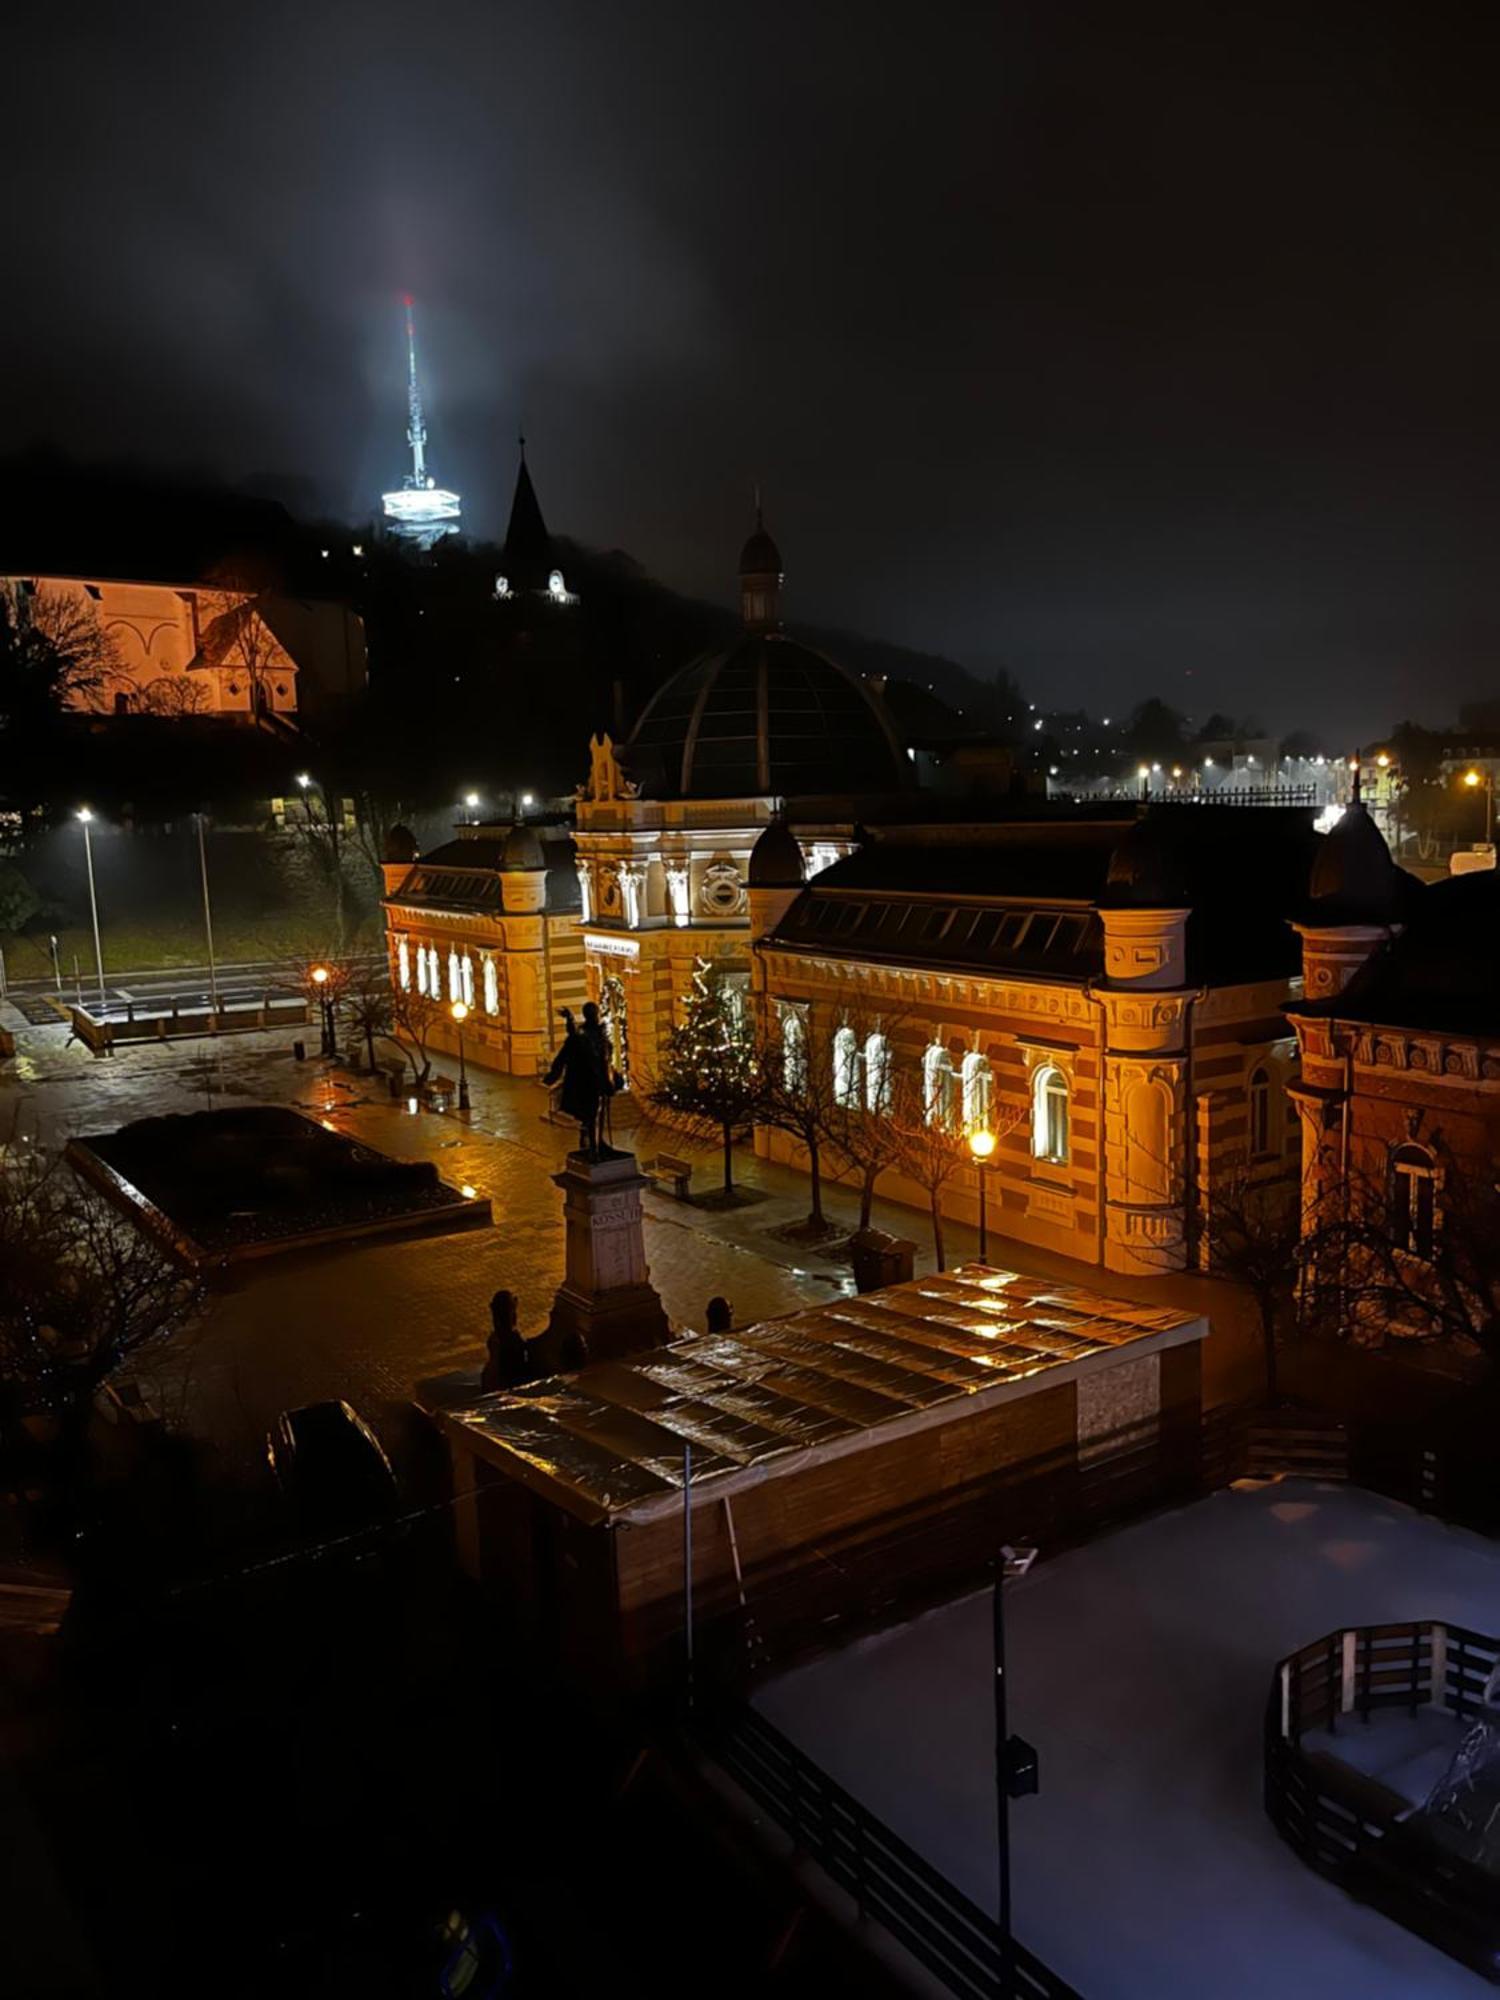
(367, 1002)
(800, 1093)
(413, 1017)
(54, 654)
(176, 696)
(929, 1150)
(233, 632)
(80, 1288)
(1250, 1232)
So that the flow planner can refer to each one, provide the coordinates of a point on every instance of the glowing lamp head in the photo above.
(320, 975)
(528, 800)
(471, 799)
(982, 1144)
(84, 814)
(1383, 760)
(1471, 779)
(459, 1011)
(304, 779)
(1143, 770)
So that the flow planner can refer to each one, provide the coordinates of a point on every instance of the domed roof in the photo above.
(523, 849)
(776, 859)
(760, 555)
(1354, 880)
(762, 716)
(1147, 870)
(400, 845)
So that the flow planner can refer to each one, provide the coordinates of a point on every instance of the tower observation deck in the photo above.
(419, 512)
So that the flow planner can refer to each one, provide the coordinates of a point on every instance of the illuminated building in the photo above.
(419, 512)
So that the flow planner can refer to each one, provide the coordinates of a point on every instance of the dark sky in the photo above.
(1142, 348)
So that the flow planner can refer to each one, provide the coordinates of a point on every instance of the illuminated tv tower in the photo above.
(421, 512)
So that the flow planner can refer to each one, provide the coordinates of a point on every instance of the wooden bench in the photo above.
(666, 1168)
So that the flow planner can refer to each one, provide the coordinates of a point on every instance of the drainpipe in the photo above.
(1190, 1190)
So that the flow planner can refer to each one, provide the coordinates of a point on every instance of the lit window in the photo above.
(978, 1089)
(846, 1068)
(1413, 1200)
(1049, 1115)
(468, 972)
(1260, 1116)
(403, 965)
(938, 1085)
(491, 987)
(455, 977)
(793, 1052)
(877, 1074)
(421, 969)
(556, 585)
(434, 977)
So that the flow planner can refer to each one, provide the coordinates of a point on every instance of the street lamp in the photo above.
(208, 918)
(471, 800)
(1015, 1760)
(460, 1013)
(86, 817)
(528, 800)
(1474, 779)
(982, 1146)
(320, 977)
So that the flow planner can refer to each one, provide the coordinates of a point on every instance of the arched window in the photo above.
(1413, 1200)
(1049, 1115)
(877, 1074)
(455, 977)
(434, 977)
(846, 1068)
(403, 964)
(421, 968)
(938, 1083)
(793, 1052)
(468, 980)
(1260, 1116)
(491, 987)
(979, 1091)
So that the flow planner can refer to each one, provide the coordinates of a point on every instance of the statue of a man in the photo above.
(583, 1063)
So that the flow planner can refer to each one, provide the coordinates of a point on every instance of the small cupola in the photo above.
(760, 580)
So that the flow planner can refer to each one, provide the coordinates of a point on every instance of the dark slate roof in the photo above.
(1023, 897)
(466, 875)
(528, 546)
(764, 715)
(776, 859)
(1353, 879)
(1441, 972)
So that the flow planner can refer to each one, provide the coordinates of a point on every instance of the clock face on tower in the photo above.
(721, 894)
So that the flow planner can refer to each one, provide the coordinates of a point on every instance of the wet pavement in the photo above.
(380, 1323)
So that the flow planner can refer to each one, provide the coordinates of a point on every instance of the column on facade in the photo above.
(1147, 1014)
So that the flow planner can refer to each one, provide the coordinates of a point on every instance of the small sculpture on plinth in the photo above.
(585, 1064)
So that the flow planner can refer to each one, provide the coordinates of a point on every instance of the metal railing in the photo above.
(893, 1885)
(1351, 1827)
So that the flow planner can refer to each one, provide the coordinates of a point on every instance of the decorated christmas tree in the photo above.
(711, 1075)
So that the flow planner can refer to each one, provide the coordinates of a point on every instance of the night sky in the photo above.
(1139, 348)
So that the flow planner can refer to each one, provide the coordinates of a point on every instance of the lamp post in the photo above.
(325, 1003)
(1015, 1760)
(982, 1146)
(86, 817)
(471, 801)
(1474, 779)
(208, 917)
(460, 1014)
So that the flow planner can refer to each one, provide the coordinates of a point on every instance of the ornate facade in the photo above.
(1103, 993)
(1399, 1033)
(489, 919)
(666, 828)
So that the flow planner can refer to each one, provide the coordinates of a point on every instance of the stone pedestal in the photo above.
(607, 1299)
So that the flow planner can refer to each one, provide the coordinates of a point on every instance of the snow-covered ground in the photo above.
(1139, 1667)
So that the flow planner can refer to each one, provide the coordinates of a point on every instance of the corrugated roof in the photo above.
(606, 1443)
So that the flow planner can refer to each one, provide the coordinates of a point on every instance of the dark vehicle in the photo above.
(332, 1469)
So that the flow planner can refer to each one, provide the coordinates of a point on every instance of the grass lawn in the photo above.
(146, 946)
